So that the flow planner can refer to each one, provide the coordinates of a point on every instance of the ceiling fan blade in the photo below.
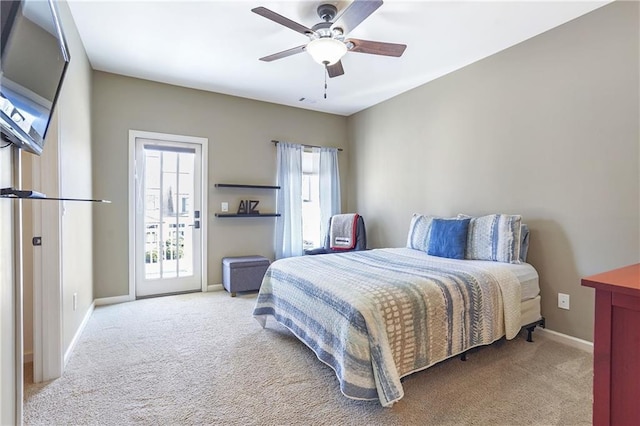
(357, 12)
(269, 14)
(335, 70)
(376, 47)
(284, 53)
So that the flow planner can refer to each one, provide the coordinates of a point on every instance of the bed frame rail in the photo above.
(532, 326)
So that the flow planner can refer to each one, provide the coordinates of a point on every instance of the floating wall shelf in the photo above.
(236, 185)
(247, 215)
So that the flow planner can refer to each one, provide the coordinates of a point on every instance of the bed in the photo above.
(376, 316)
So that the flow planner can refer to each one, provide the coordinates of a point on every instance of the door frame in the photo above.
(203, 142)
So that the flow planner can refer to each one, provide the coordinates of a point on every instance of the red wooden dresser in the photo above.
(616, 351)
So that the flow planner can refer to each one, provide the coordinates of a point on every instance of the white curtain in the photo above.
(289, 201)
(329, 178)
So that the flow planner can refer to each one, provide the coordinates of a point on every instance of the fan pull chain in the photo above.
(326, 71)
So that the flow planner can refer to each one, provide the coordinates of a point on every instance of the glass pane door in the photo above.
(169, 203)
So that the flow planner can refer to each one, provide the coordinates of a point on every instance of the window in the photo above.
(305, 212)
(311, 200)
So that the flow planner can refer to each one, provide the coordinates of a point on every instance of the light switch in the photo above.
(224, 207)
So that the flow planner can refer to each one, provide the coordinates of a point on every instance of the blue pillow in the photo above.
(448, 238)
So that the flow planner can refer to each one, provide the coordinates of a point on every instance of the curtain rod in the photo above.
(310, 146)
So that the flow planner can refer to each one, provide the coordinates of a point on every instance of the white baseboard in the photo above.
(585, 345)
(27, 357)
(126, 298)
(69, 350)
(112, 300)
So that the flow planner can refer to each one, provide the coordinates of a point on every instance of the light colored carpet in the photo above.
(202, 359)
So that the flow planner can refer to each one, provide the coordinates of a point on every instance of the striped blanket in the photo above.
(376, 316)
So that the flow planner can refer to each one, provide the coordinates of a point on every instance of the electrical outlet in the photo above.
(224, 207)
(563, 301)
(75, 301)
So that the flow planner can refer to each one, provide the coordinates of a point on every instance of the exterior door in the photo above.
(168, 206)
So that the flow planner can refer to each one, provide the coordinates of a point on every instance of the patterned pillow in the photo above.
(418, 237)
(494, 237)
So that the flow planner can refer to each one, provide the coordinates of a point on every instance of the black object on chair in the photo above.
(361, 240)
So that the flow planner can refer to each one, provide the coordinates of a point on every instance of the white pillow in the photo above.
(419, 228)
(494, 237)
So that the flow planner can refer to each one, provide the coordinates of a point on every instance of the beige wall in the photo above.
(74, 115)
(72, 138)
(547, 129)
(27, 257)
(239, 133)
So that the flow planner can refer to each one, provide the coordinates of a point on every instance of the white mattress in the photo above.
(530, 311)
(528, 277)
(530, 297)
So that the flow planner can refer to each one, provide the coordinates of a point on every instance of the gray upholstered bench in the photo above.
(243, 273)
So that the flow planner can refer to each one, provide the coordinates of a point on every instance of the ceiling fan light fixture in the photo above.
(326, 50)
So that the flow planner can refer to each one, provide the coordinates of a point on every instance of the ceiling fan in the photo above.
(327, 43)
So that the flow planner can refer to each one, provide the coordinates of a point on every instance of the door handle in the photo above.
(196, 223)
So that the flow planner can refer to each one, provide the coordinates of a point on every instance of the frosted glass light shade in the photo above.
(326, 50)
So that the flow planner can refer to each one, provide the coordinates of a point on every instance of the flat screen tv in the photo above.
(33, 62)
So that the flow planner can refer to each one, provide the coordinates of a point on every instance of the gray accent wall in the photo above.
(548, 129)
(239, 133)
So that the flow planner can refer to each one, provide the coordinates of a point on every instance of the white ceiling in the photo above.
(215, 45)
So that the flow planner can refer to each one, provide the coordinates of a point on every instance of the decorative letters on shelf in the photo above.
(248, 207)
